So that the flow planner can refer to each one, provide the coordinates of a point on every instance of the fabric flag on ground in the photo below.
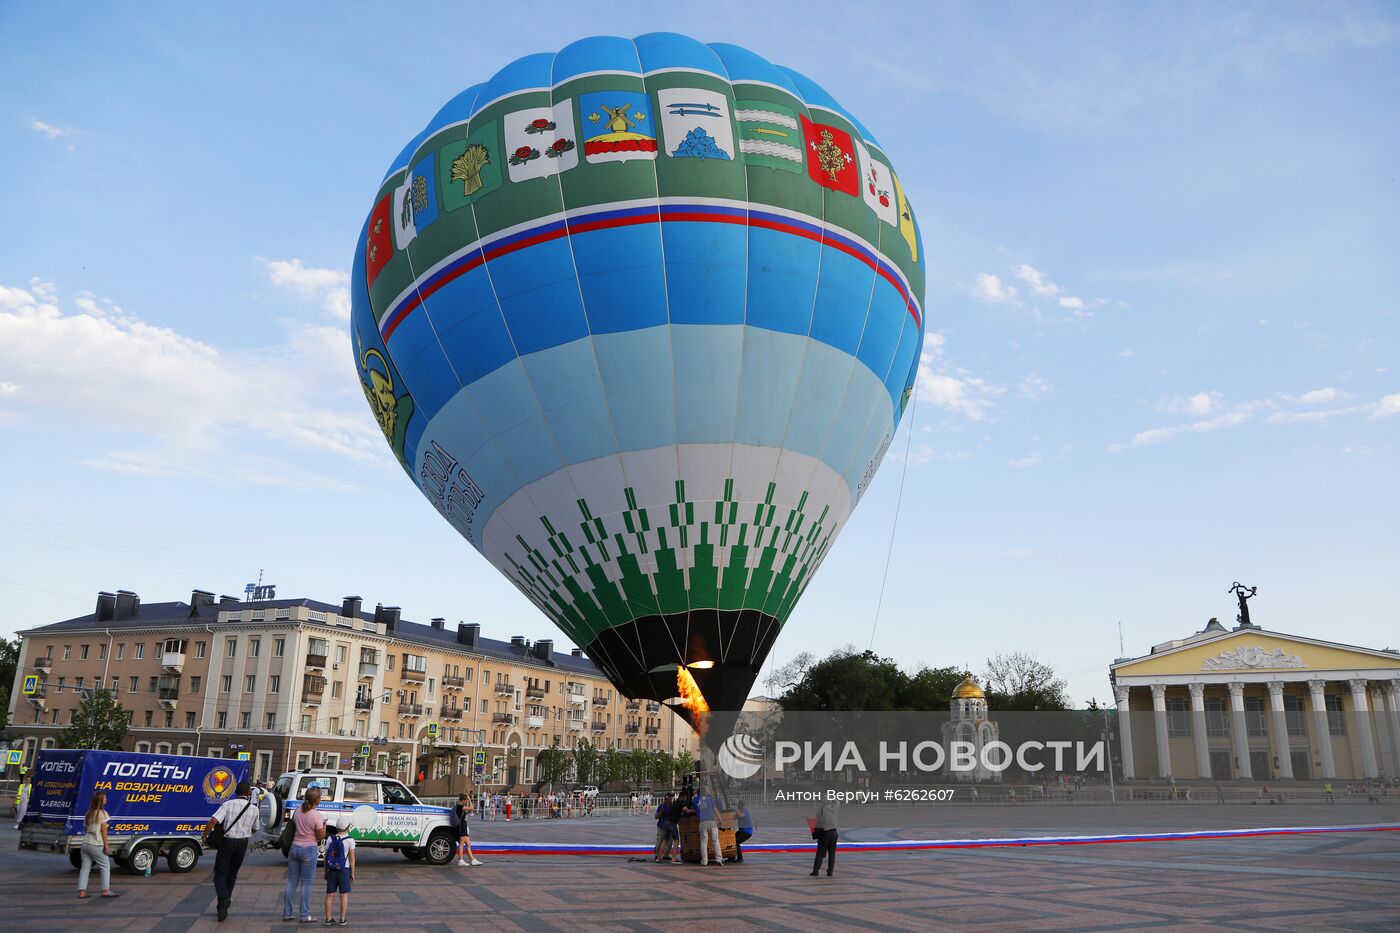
(617, 126)
(831, 157)
(769, 135)
(541, 141)
(877, 186)
(379, 242)
(695, 124)
(906, 220)
(470, 168)
(415, 202)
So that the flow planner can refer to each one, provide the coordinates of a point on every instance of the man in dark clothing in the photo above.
(239, 817)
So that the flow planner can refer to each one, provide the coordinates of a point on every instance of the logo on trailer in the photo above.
(218, 785)
(741, 756)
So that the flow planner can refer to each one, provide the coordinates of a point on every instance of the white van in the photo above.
(380, 812)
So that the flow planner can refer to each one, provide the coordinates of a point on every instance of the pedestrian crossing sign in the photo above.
(14, 756)
(432, 729)
(364, 750)
(31, 684)
(245, 756)
(479, 758)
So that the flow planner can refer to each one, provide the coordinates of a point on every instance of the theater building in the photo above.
(1249, 704)
(297, 683)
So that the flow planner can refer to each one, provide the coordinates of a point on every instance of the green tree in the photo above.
(684, 765)
(612, 765)
(9, 660)
(662, 767)
(1017, 681)
(100, 722)
(4, 707)
(585, 761)
(552, 764)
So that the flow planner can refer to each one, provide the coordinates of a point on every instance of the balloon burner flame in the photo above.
(692, 699)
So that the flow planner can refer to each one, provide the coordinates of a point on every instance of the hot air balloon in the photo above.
(640, 318)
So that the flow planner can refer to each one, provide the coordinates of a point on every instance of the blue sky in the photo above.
(1162, 308)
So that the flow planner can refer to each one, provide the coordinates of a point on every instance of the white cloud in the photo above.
(1199, 405)
(1126, 354)
(1032, 460)
(991, 289)
(49, 130)
(1035, 386)
(1390, 405)
(923, 454)
(1073, 303)
(1036, 280)
(951, 388)
(1316, 396)
(204, 411)
(1230, 419)
(8, 388)
(1302, 417)
(331, 287)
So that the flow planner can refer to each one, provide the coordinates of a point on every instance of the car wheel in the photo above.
(441, 848)
(183, 857)
(413, 853)
(141, 859)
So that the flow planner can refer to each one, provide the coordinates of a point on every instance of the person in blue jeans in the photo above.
(301, 860)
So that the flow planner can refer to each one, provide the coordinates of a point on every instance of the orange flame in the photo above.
(692, 699)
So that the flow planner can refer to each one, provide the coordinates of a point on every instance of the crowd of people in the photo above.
(535, 806)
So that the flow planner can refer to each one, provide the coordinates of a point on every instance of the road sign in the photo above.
(364, 749)
(480, 769)
(432, 730)
(479, 757)
(245, 756)
(31, 684)
(14, 756)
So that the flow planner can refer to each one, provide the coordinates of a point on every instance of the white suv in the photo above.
(380, 812)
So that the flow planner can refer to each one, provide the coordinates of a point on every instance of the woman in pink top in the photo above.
(301, 860)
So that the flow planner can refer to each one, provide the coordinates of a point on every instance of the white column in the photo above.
(1159, 716)
(1391, 695)
(1322, 729)
(1282, 750)
(1125, 731)
(1363, 727)
(1239, 736)
(1198, 729)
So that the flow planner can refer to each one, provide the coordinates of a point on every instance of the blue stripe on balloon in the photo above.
(469, 324)
(703, 284)
(532, 71)
(457, 110)
(816, 96)
(538, 293)
(882, 330)
(665, 50)
(596, 53)
(906, 361)
(622, 277)
(782, 280)
(843, 295)
(422, 365)
(743, 65)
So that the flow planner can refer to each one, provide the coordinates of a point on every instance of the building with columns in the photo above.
(1249, 704)
(968, 722)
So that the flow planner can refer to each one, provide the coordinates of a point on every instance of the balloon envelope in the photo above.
(640, 318)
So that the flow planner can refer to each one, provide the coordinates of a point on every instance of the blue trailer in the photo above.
(158, 804)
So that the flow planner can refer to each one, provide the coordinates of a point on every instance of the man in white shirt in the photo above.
(239, 817)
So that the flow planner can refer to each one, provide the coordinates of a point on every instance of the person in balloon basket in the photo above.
(340, 869)
(824, 832)
(706, 809)
(664, 829)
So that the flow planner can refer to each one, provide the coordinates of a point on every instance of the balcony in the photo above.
(578, 699)
(453, 682)
(39, 697)
(633, 728)
(653, 730)
(410, 709)
(600, 701)
(364, 702)
(317, 661)
(505, 688)
(43, 665)
(634, 706)
(368, 670)
(535, 692)
(576, 724)
(173, 660)
(313, 687)
(411, 674)
(503, 718)
(451, 712)
(599, 726)
(534, 722)
(653, 706)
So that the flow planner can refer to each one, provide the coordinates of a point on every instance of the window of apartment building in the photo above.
(222, 720)
(194, 683)
(415, 662)
(189, 720)
(384, 729)
(121, 650)
(102, 652)
(1336, 719)
(400, 730)
(199, 648)
(340, 653)
(271, 723)
(226, 684)
(250, 683)
(62, 679)
(388, 662)
(148, 717)
(1178, 718)
(79, 682)
(305, 722)
(279, 647)
(154, 682)
(169, 719)
(483, 705)
(245, 720)
(67, 652)
(130, 717)
(432, 682)
(116, 684)
(140, 651)
(485, 676)
(335, 724)
(143, 747)
(335, 689)
(231, 648)
(131, 688)
(467, 675)
(274, 683)
(254, 647)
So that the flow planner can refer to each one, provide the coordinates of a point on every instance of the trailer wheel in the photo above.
(76, 857)
(141, 859)
(183, 857)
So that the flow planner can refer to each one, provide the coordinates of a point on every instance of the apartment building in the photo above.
(297, 682)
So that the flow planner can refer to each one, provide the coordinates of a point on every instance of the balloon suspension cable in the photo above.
(898, 502)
